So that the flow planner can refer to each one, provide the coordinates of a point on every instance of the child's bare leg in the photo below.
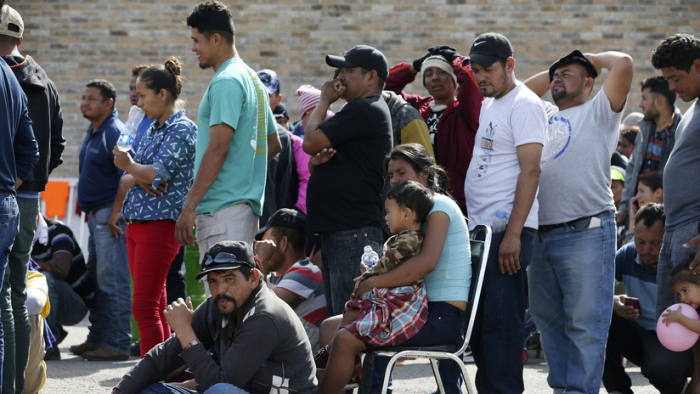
(341, 362)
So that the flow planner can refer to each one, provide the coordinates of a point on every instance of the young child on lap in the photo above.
(390, 316)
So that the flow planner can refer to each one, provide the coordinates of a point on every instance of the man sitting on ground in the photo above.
(243, 336)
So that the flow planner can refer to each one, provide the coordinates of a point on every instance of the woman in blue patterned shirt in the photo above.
(157, 181)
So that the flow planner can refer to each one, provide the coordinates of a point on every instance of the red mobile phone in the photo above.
(634, 302)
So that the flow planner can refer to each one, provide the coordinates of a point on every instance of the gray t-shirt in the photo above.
(575, 179)
(681, 191)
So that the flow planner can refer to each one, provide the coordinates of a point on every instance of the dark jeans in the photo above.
(665, 369)
(499, 329)
(175, 284)
(342, 251)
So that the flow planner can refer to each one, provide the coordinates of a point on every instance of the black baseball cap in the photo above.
(574, 57)
(227, 255)
(284, 217)
(363, 56)
(489, 47)
(280, 111)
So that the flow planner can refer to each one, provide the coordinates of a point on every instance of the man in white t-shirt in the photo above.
(500, 189)
(572, 272)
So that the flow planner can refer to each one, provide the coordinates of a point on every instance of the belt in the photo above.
(574, 222)
(136, 221)
(94, 210)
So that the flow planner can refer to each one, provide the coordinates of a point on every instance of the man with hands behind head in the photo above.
(571, 275)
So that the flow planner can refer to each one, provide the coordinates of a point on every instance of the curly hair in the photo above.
(678, 51)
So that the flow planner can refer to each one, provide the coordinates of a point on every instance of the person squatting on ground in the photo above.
(632, 332)
(156, 181)
(383, 316)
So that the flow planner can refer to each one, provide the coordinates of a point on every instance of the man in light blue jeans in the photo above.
(572, 270)
(100, 196)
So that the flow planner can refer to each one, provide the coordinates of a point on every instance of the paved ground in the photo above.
(73, 375)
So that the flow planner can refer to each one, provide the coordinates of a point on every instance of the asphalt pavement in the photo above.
(73, 375)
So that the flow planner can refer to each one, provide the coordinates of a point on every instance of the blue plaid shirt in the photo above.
(169, 148)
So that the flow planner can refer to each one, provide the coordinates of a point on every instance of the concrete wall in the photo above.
(78, 40)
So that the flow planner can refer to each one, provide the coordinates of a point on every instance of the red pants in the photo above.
(151, 247)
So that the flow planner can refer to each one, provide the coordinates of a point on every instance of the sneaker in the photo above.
(321, 357)
(533, 341)
(53, 353)
(103, 353)
(78, 350)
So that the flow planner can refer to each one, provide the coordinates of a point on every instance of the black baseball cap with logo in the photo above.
(489, 47)
(363, 56)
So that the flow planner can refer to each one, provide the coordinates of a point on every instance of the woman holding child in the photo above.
(443, 263)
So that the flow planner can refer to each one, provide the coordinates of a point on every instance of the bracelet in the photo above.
(193, 343)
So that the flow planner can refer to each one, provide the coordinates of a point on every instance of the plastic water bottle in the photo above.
(499, 222)
(369, 258)
(126, 140)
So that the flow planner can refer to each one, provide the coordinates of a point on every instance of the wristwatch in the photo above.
(193, 343)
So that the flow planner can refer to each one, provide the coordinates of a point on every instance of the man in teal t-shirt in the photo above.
(237, 135)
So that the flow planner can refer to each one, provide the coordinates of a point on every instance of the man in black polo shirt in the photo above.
(344, 194)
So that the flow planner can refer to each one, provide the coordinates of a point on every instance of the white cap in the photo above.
(9, 15)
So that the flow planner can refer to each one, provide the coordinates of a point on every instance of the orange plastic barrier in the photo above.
(56, 198)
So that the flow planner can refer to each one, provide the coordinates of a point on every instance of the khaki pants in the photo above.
(234, 223)
(35, 375)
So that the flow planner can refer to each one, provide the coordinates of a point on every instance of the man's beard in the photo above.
(204, 66)
(230, 316)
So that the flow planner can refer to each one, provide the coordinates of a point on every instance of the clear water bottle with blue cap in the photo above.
(369, 258)
(500, 221)
(126, 140)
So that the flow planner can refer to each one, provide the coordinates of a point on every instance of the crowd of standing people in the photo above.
(593, 223)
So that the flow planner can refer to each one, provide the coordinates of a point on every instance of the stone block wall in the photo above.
(79, 40)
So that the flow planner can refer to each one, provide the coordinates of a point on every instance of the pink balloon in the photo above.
(674, 336)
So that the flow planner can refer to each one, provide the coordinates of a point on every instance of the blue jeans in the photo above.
(571, 292)
(499, 329)
(9, 227)
(107, 261)
(13, 299)
(672, 253)
(164, 388)
(67, 307)
(342, 251)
